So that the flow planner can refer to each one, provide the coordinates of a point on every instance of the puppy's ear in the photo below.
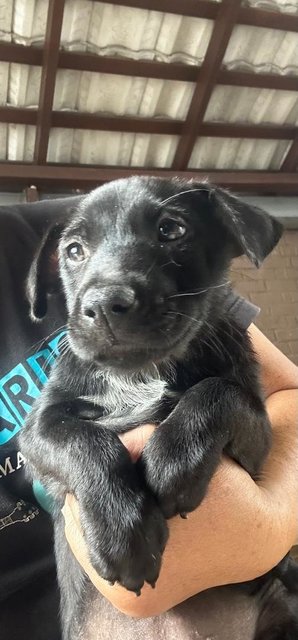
(253, 232)
(43, 278)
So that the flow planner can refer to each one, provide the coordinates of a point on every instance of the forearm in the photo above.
(253, 526)
(280, 471)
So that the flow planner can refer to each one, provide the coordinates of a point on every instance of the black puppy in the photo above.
(143, 265)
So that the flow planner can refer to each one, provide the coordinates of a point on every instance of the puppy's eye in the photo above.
(75, 252)
(170, 230)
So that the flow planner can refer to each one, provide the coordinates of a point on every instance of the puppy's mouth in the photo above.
(131, 353)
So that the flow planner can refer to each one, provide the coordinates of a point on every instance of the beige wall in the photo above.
(274, 288)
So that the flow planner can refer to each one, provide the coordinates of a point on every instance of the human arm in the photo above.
(254, 524)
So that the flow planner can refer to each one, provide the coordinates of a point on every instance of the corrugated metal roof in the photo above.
(237, 154)
(141, 34)
(238, 104)
(121, 95)
(111, 148)
(287, 6)
(137, 33)
(262, 50)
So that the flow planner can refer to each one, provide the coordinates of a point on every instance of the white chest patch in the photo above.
(133, 396)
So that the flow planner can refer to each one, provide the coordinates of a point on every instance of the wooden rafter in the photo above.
(90, 121)
(192, 8)
(209, 9)
(223, 27)
(251, 131)
(48, 78)
(127, 67)
(77, 61)
(290, 162)
(258, 80)
(256, 17)
(56, 176)
(13, 52)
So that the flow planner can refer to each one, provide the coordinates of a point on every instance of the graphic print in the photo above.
(22, 512)
(18, 390)
(23, 384)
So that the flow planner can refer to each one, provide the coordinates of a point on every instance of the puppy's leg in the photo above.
(123, 526)
(183, 453)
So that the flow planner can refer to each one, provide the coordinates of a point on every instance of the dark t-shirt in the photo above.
(28, 592)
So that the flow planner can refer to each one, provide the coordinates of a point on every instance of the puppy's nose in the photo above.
(111, 300)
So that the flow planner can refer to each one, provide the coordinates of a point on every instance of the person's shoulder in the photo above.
(38, 216)
(12, 223)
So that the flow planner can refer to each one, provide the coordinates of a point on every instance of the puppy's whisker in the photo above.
(47, 362)
(213, 340)
(199, 291)
(176, 195)
(242, 275)
(64, 350)
(40, 342)
(63, 344)
(150, 268)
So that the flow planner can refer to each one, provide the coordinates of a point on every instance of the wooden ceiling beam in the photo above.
(48, 78)
(56, 176)
(191, 8)
(208, 9)
(82, 61)
(223, 27)
(251, 131)
(290, 162)
(258, 80)
(254, 17)
(19, 53)
(127, 66)
(18, 115)
(128, 124)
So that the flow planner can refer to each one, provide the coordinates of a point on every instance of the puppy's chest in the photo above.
(124, 401)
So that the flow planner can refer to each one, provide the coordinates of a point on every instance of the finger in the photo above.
(74, 536)
(136, 439)
(75, 539)
(73, 529)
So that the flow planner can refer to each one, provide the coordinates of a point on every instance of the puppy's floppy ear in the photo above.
(253, 231)
(43, 278)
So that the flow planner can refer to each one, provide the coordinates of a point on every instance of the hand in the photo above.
(242, 529)
(136, 439)
(252, 524)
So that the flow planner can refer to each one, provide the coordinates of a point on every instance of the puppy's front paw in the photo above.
(126, 541)
(177, 475)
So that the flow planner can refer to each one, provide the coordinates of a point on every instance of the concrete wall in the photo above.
(274, 288)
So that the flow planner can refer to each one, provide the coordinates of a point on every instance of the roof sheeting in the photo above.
(288, 6)
(141, 34)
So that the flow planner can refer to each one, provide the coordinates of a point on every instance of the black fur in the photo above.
(143, 265)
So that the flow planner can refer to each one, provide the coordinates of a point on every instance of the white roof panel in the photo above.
(255, 106)
(108, 29)
(236, 154)
(111, 148)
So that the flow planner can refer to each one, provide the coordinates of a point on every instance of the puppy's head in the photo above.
(143, 265)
